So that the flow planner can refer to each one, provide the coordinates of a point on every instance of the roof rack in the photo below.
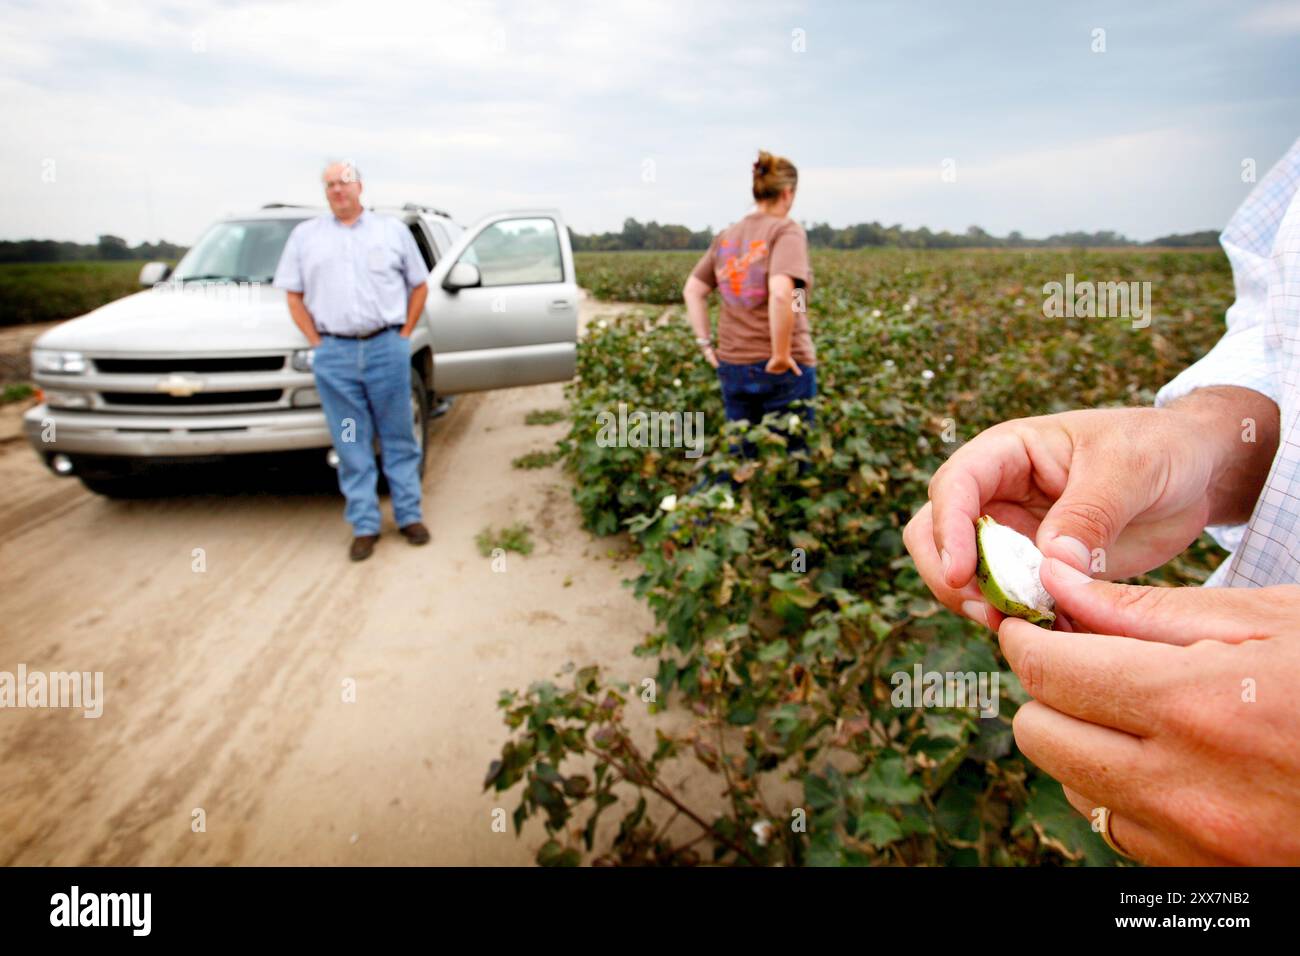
(417, 207)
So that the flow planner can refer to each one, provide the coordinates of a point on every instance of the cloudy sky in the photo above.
(148, 120)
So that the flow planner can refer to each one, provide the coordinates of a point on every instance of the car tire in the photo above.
(420, 414)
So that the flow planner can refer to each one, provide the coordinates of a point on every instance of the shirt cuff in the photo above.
(1239, 358)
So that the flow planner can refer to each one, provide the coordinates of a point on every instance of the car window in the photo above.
(243, 250)
(426, 248)
(517, 252)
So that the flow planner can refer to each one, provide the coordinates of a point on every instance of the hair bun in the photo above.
(772, 174)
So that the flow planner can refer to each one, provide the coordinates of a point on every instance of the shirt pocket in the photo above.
(382, 259)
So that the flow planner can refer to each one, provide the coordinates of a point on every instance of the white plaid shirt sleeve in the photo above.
(1249, 355)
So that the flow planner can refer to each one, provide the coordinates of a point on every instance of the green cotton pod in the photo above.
(1007, 573)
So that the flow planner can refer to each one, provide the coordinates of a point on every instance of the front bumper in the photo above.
(55, 431)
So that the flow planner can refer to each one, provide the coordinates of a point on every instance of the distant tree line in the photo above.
(108, 247)
(652, 235)
(636, 235)
(1207, 237)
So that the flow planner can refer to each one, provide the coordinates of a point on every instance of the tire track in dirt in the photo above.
(223, 687)
(337, 620)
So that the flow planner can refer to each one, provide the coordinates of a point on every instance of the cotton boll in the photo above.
(1008, 573)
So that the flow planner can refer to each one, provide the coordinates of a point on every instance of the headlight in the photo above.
(58, 363)
(305, 398)
(302, 360)
(65, 398)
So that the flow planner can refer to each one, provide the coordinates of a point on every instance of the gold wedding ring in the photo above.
(1110, 837)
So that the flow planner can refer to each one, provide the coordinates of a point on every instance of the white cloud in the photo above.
(1274, 19)
(1133, 183)
(162, 116)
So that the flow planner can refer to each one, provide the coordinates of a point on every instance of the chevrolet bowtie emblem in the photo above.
(178, 386)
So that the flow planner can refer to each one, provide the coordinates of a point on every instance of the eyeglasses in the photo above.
(331, 183)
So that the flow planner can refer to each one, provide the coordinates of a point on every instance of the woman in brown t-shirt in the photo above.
(759, 265)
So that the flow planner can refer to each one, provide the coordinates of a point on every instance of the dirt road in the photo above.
(224, 687)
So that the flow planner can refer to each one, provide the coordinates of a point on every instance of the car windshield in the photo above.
(242, 251)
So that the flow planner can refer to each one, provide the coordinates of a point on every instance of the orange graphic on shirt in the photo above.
(736, 273)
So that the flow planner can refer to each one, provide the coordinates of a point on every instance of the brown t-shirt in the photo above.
(737, 264)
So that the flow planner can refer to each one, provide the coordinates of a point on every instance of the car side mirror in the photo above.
(463, 275)
(151, 273)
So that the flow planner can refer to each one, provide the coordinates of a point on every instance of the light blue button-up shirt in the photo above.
(354, 279)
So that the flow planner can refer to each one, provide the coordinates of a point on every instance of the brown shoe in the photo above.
(362, 546)
(416, 533)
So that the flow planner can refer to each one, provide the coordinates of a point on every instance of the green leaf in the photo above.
(878, 828)
(915, 820)
(993, 740)
(945, 725)
(699, 565)
(1061, 827)
(823, 637)
(960, 655)
(794, 587)
(742, 713)
(552, 854)
(548, 773)
(603, 799)
(887, 780)
(955, 810)
(736, 540)
(825, 849)
(821, 792)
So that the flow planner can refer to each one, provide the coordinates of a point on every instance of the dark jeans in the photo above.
(749, 391)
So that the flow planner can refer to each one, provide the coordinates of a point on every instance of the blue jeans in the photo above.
(365, 390)
(749, 391)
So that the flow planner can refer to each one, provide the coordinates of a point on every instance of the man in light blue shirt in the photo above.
(356, 286)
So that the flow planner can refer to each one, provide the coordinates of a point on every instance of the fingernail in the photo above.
(946, 558)
(976, 611)
(1077, 549)
(1066, 573)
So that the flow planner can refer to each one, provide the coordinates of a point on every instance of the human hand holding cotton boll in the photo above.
(1158, 709)
(1134, 485)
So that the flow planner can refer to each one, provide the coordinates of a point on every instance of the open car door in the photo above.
(503, 305)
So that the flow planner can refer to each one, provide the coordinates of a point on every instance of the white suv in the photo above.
(208, 362)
